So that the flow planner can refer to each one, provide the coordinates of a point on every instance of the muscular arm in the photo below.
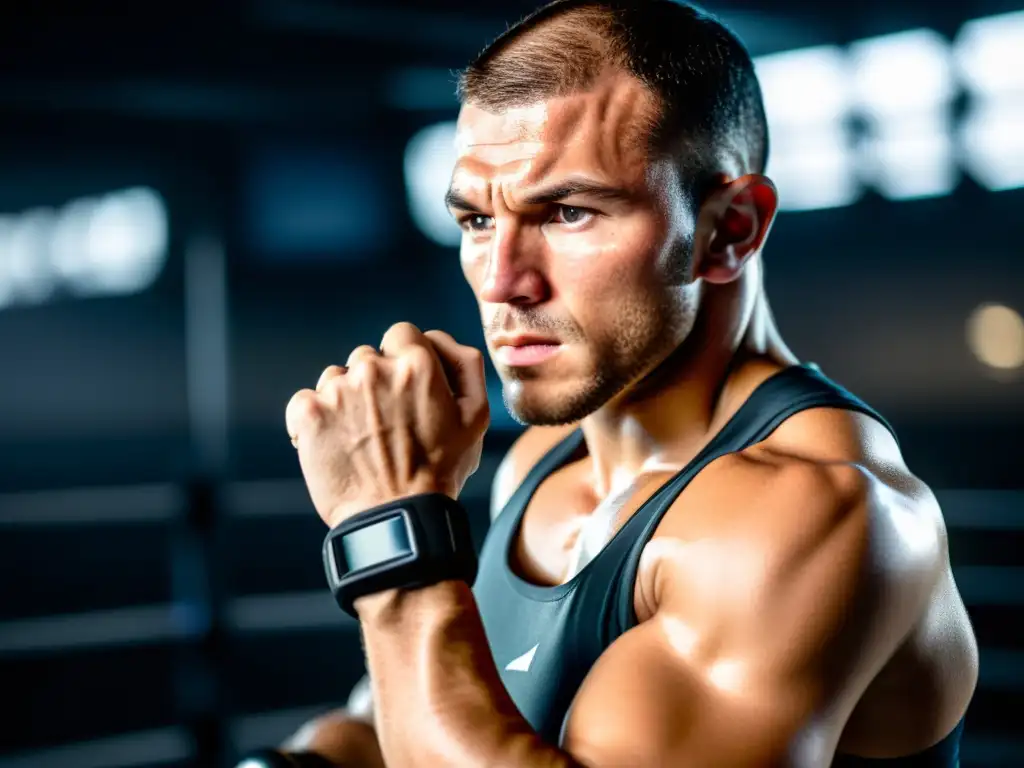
(764, 668)
(763, 673)
(346, 736)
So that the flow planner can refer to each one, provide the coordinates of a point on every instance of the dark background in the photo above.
(203, 205)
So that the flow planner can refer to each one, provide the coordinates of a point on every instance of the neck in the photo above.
(663, 420)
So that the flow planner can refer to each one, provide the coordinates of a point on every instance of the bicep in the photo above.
(767, 671)
(643, 705)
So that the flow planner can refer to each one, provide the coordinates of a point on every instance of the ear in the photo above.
(732, 226)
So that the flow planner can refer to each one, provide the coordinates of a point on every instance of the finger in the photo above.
(302, 413)
(406, 341)
(360, 354)
(464, 366)
(400, 336)
(330, 372)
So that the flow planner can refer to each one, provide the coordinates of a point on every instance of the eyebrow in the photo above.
(454, 200)
(552, 195)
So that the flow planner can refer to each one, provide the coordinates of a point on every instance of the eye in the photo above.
(476, 222)
(572, 215)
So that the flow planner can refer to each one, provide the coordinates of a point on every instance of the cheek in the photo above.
(473, 261)
(612, 305)
(468, 261)
(618, 265)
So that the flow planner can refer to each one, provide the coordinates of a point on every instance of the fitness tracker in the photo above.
(408, 543)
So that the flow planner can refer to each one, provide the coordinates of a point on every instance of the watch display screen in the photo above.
(384, 540)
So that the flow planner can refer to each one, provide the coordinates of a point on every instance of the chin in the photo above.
(539, 403)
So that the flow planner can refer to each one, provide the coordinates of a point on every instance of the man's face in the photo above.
(576, 245)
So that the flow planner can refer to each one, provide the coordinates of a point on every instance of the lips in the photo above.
(525, 350)
(523, 340)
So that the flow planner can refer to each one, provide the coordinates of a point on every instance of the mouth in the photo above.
(523, 351)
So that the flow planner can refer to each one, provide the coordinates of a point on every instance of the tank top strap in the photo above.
(785, 394)
(792, 390)
(556, 457)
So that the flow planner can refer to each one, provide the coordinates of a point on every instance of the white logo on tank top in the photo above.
(522, 664)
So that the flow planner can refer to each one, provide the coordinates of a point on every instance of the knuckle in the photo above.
(404, 329)
(418, 358)
(331, 373)
(399, 336)
(303, 408)
(363, 372)
(332, 389)
(356, 371)
(442, 337)
(332, 370)
(370, 372)
(361, 353)
(406, 372)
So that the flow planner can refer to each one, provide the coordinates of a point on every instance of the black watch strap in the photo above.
(408, 543)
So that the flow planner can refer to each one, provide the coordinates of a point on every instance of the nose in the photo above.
(511, 274)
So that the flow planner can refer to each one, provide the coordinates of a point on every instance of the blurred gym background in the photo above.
(203, 205)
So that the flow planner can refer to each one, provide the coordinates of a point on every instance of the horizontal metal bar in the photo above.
(97, 629)
(424, 29)
(990, 751)
(193, 100)
(287, 612)
(1000, 669)
(266, 498)
(87, 506)
(142, 748)
(979, 509)
(153, 624)
(267, 729)
(991, 585)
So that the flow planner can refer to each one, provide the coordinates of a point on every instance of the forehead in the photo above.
(601, 131)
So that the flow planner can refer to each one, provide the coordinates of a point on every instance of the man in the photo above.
(704, 553)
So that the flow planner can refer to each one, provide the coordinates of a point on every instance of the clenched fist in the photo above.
(408, 419)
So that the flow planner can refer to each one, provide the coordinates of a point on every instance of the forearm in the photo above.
(439, 698)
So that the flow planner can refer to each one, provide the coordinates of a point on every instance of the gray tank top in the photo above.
(545, 639)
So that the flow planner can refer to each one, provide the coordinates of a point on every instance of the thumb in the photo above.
(464, 367)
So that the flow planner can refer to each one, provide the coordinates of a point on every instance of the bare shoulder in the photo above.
(525, 452)
(836, 472)
(785, 508)
(847, 460)
(819, 526)
(837, 436)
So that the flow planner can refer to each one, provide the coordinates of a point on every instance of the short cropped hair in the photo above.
(701, 75)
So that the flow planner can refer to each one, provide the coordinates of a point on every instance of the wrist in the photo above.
(419, 486)
(392, 608)
(397, 549)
